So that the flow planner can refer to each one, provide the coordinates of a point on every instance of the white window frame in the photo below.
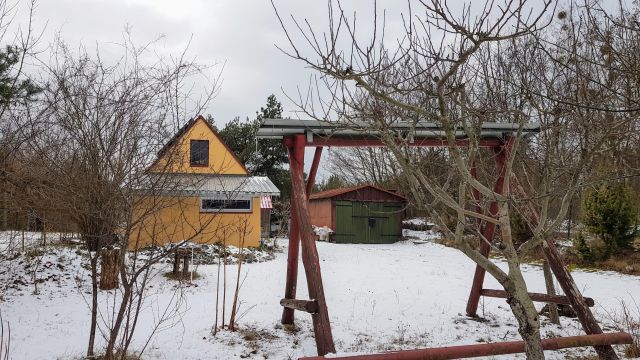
(218, 210)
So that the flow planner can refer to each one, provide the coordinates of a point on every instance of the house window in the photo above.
(199, 153)
(217, 205)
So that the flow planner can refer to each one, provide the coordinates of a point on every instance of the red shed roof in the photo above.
(335, 192)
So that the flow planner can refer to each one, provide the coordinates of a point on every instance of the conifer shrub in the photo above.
(610, 213)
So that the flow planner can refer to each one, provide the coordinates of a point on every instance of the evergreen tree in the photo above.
(272, 153)
(609, 212)
(13, 90)
(240, 137)
(332, 182)
(264, 157)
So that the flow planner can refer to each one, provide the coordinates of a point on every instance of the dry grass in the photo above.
(181, 277)
(627, 319)
(626, 263)
(120, 357)
(632, 351)
(252, 334)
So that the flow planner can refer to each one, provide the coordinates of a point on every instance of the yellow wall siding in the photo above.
(177, 158)
(164, 220)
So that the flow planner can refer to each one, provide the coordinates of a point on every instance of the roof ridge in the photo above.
(339, 191)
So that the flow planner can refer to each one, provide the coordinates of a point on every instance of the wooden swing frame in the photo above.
(297, 135)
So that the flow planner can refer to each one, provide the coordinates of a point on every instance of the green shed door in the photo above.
(392, 231)
(367, 222)
(384, 219)
(344, 232)
(360, 220)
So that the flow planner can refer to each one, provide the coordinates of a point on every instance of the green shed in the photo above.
(362, 214)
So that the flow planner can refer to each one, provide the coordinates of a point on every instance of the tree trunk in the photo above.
(176, 264)
(185, 266)
(113, 334)
(5, 211)
(548, 281)
(520, 302)
(527, 316)
(109, 269)
(44, 234)
(94, 304)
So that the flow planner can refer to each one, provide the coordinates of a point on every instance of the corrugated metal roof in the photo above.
(213, 185)
(279, 128)
(335, 192)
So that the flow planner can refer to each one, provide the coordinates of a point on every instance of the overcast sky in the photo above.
(239, 34)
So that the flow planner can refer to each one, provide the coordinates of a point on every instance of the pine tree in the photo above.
(264, 157)
(609, 212)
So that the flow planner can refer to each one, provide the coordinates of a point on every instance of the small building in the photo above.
(200, 192)
(361, 214)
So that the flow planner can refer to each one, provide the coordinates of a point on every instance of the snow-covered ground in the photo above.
(380, 297)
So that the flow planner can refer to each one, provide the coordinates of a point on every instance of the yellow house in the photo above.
(197, 190)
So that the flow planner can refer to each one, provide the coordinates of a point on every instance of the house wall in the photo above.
(164, 220)
(221, 159)
(321, 213)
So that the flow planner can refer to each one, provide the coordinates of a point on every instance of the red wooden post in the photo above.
(314, 170)
(489, 349)
(310, 258)
(296, 159)
(578, 303)
(294, 235)
(502, 155)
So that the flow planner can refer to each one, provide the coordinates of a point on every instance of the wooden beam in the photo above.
(578, 303)
(310, 258)
(311, 180)
(295, 160)
(556, 299)
(373, 142)
(490, 349)
(502, 155)
(310, 306)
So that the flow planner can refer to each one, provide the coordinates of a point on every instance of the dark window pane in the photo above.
(199, 152)
(226, 205)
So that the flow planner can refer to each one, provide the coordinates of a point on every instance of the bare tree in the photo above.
(460, 69)
(106, 120)
(19, 42)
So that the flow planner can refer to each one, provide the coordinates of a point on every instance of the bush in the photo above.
(590, 250)
(610, 214)
(584, 251)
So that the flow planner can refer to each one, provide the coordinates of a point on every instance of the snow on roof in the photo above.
(279, 128)
(216, 185)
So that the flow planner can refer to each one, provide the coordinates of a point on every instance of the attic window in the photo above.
(199, 153)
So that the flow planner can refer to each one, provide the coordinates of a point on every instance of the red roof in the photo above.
(335, 192)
